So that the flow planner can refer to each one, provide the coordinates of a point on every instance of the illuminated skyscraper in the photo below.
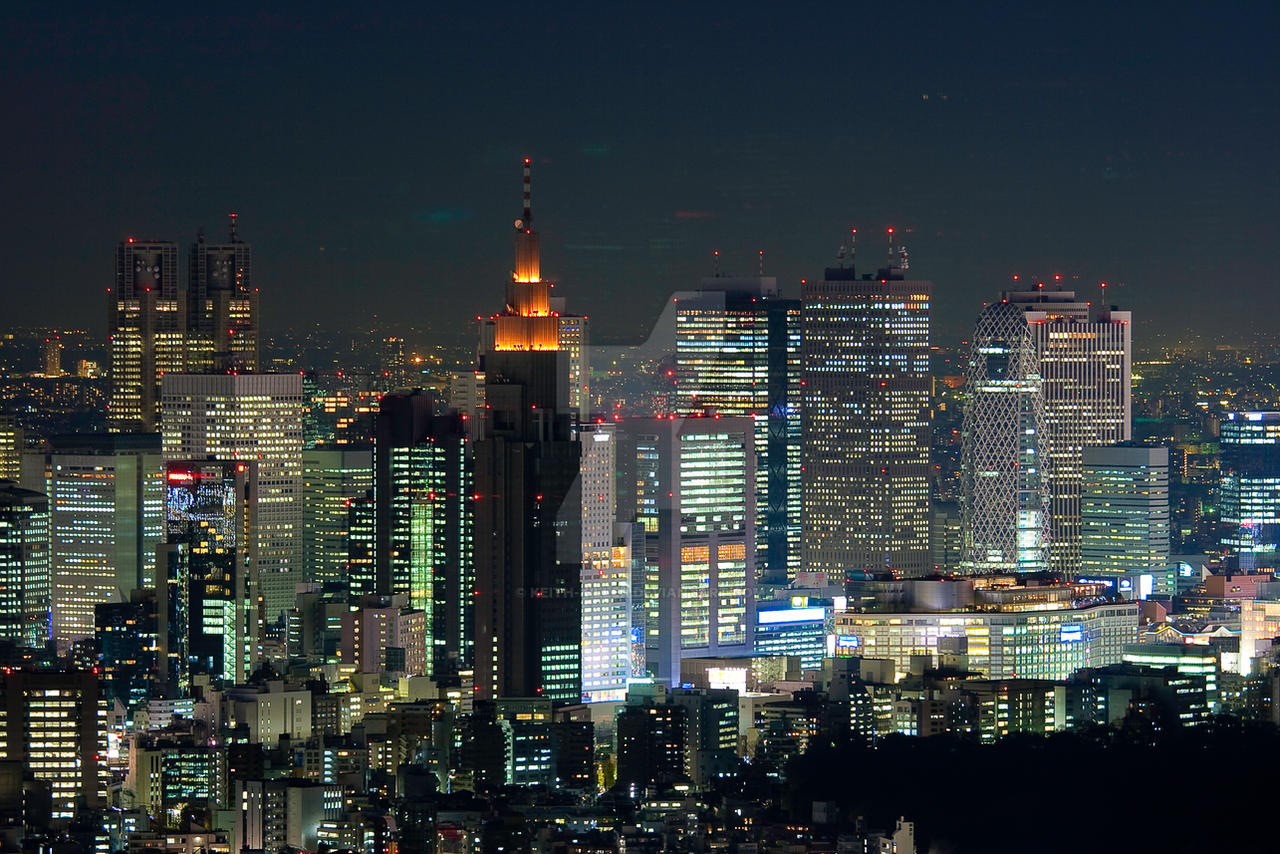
(12, 441)
(331, 480)
(423, 492)
(738, 354)
(24, 565)
(575, 340)
(1250, 489)
(606, 572)
(249, 417)
(209, 612)
(146, 324)
(1005, 499)
(866, 429)
(698, 512)
(222, 306)
(106, 512)
(1124, 510)
(1085, 373)
(529, 554)
(55, 724)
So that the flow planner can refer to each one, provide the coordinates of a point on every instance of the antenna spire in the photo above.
(853, 245)
(528, 206)
(716, 254)
(891, 252)
(235, 238)
(761, 263)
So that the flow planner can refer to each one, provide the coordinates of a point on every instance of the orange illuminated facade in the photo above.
(527, 323)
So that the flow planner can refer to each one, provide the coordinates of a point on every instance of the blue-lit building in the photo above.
(1250, 489)
(796, 626)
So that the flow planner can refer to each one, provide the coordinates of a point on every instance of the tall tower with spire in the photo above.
(528, 547)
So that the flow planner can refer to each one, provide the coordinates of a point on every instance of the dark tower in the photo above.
(528, 508)
(222, 306)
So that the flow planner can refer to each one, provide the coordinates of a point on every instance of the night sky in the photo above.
(373, 153)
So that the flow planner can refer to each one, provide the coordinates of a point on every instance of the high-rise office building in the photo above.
(221, 306)
(106, 509)
(24, 565)
(697, 506)
(575, 340)
(738, 354)
(126, 641)
(1250, 489)
(331, 480)
(606, 571)
(146, 326)
(423, 493)
(528, 510)
(12, 442)
(1085, 374)
(1005, 491)
(51, 356)
(55, 724)
(209, 612)
(249, 417)
(1124, 510)
(866, 398)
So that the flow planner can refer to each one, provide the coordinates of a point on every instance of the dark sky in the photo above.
(374, 150)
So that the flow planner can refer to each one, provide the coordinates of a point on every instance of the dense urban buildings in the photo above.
(865, 448)
(249, 417)
(390, 595)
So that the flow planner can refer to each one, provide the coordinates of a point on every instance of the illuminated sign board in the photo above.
(1070, 633)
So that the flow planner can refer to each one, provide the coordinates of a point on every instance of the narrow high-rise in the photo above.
(424, 499)
(866, 434)
(606, 571)
(1005, 497)
(1250, 490)
(24, 565)
(1086, 374)
(528, 621)
(146, 331)
(738, 354)
(222, 306)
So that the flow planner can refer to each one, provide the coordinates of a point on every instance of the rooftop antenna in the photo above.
(528, 205)
(762, 263)
(904, 261)
(200, 234)
(235, 238)
(840, 254)
(890, 236)
(853, 245)
(716, 262)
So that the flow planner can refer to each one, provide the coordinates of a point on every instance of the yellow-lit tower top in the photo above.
(528, 322)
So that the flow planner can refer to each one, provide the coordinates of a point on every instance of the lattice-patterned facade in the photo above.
(1006, 496)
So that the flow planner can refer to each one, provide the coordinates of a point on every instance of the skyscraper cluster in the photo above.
(525, 577)
(158, 325)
